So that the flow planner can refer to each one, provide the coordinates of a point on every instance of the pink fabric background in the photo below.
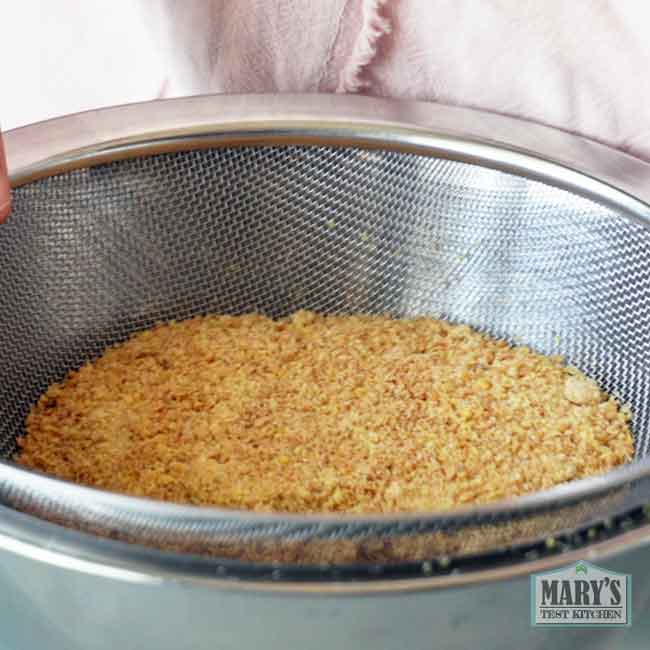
(579, 65)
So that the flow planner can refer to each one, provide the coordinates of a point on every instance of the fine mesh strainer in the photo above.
(133, 215)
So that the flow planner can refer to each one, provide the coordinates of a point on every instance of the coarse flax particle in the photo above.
(362, 414)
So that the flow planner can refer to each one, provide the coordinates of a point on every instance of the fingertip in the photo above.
(5, 193)
(5, 209)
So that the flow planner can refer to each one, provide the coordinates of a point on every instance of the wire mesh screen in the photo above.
(93, 255)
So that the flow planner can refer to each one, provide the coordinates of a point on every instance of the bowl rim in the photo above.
(42, 541)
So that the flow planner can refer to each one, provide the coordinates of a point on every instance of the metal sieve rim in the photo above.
(582, 166)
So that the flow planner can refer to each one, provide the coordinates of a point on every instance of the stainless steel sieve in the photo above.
(131, 215)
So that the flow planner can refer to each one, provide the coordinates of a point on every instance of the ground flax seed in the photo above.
(324, 414)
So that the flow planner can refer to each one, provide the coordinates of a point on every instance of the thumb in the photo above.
(5, 196)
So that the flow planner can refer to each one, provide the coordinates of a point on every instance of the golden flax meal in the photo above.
(324, 414)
